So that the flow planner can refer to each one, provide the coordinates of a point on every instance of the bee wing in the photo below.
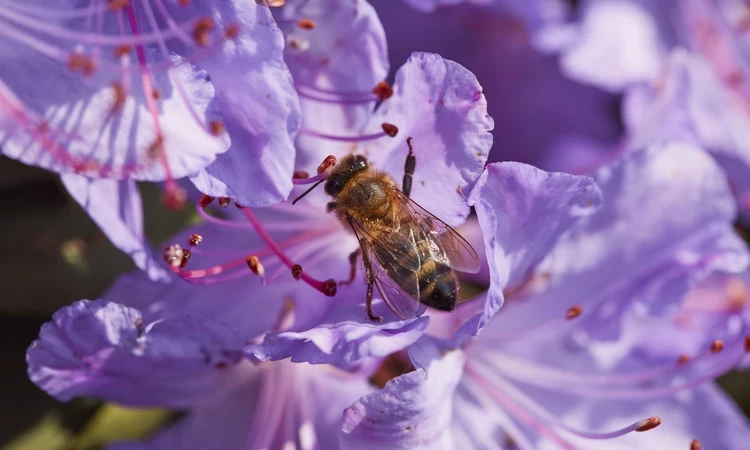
(450, 247)
(383, 257)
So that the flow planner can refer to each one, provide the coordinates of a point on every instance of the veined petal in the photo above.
(116, 207)
(255, 93)
(523, 212)
(105, 350)
(440, 105)
(413, 410)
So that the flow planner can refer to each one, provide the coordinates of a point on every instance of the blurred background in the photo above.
(53, 254)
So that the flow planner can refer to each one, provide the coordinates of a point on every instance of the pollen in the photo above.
(195, 239)
(276, 3)
(648, 424)
(300, 175)
(573, 312)
(717, 346)
(383, 90)
(216, 127)
(156, 148)
(390, 129)
(156, 94)
(176, 256)
(255, 266)
(224, 201)
(683, 359)
(81, 62)
(202, 31)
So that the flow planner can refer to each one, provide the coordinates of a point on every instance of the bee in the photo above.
(409, 254)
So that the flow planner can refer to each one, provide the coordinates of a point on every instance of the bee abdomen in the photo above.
(438, 286)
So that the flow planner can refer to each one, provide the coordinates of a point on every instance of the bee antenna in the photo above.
(307, 191)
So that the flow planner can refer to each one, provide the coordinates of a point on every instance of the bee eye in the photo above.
(334, 184)
(359, 163)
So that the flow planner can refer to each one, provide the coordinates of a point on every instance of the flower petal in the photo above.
(412, 410)
(666, 223)
(116, 207)
(440, 105)
(278, 405)
(691, 103)
(255, 93)
(104, 350)
(523, 212)
(104, 126)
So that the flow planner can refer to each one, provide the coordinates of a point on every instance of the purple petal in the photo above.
(116, 207)
(440, 105)
(692, 104)
(335, 66)
(255, 93)
(278, 405)
(666, 223)
(620, 42)
(105, 350)
(102, 126)
(413, 410)
(523, 212)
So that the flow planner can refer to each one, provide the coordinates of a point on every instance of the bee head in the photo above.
(343, 172)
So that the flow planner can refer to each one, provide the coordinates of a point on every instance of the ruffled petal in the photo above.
(412, 410)
(523, 212)
(666, 222)
(105, 350)
(116, 207)
(440, 105)
(255, 93)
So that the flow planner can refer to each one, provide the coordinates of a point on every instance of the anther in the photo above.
(184, 3)
(205, 200)
(573, 312)
(330, 161)
(216, 127)
(155, 148)
(122, 50)
(255, 266)
(717, 346)
(296, 271)
(648, 424)
(390, 129)
(176, 256)
(224, 201)
(306, 23)
(119, 96)
(747, 344)
(195, 239)
(276, 3)
(683, 359)
(231, 31)
(174, 198)
(383, 90)
(329, 287)
(695, 444)
(202, 31)
(300, 175)
(156, 94)
(116, 5)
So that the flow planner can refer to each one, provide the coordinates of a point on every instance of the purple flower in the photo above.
(536, 378)
(148, 91)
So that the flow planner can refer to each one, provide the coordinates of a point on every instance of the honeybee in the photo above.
(408, 254)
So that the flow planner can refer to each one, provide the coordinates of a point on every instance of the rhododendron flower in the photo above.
(558, 367)
(110, 92)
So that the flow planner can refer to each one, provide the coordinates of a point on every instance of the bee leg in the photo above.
(370, 278)
(353, 273)
(409, 166)
(331, 206)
